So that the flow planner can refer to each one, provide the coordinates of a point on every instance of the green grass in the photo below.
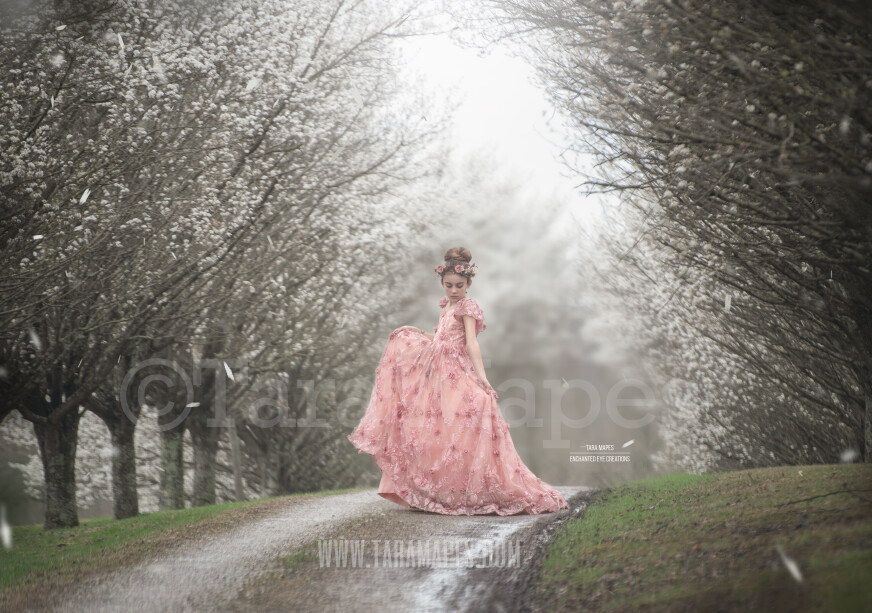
(45, 559)
(707, 542)
(299, 558)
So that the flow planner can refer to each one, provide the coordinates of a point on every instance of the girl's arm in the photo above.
(473, 349)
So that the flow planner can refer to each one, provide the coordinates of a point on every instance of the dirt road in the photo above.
(247, 569)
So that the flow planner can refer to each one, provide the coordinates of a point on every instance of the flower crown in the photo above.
(467, 270)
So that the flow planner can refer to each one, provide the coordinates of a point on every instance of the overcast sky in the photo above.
(505, 121)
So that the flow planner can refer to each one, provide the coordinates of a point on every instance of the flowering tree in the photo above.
(740, 134)
(173, 185)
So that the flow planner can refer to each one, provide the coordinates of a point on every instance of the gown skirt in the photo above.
(436, 431)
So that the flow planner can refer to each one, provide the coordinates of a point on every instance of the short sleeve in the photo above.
(443, 301)
(468, 306)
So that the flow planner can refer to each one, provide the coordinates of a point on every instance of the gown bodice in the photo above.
(450, 328)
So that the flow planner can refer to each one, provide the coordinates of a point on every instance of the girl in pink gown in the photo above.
(433, 424)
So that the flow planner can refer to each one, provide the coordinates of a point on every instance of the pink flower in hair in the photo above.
(467, 270)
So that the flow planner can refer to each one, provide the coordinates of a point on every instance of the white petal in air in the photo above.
(121, 42)
(565, 383)
(192, 404)
(157, 67)
(252, 84)
(34, 339)
(85, 195)
(790, 563)
(849, 455)
(229, 372)
(60, 27)
(5, 529)
(628, 443)
(845, 126)
(728, 300)
(37, 237)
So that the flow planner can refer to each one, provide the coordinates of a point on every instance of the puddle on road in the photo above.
(440, 588)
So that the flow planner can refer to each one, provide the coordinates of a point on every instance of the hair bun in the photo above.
(458, 254)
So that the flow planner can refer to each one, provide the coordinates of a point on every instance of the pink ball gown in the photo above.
(437, 433)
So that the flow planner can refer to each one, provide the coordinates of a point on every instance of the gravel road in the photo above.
(209, 573)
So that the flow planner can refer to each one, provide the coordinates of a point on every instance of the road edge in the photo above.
(510, 590)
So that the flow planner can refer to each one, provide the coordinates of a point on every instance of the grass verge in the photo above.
(710, 543)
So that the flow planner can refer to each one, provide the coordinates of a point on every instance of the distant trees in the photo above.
(192, 182)
(742, 135)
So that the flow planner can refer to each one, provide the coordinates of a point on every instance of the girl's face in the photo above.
(455, 286)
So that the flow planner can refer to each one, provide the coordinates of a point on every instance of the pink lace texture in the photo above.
(436, 431)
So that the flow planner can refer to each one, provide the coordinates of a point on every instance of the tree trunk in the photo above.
(57, 447)
(281, 470)
(867, 432)
(205, 423)
(236, 453)
(172, 479)
(124, 494)
(205, 441)
(263, 461)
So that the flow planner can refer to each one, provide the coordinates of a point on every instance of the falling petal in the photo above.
(229, 372)
(845, 126)
(174, 255)
(37, 237)
(628, 443)
(727, 301)
(269, 240)
(5, 528)
(252, 84)
(192, 404)
(565, 383)
(800, 473)
(85, 195)
(158, 69)
(849, 455)
(790, 563)
(34, 339)
(121, 42)
(52, 102)
(60, 27)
